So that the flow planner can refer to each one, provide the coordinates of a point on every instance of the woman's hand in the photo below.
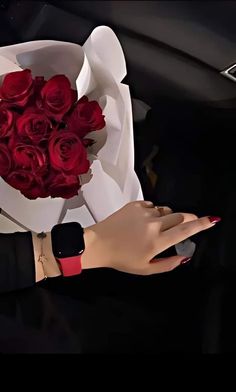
(129, 239)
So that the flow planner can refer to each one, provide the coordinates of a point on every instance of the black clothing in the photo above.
(17, 268)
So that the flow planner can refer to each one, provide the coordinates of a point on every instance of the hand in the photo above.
(129, 239)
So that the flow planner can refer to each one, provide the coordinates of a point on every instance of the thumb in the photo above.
(157, 266)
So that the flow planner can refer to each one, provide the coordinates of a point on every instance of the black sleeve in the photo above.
(17, 268)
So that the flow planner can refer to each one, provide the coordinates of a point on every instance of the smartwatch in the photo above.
(68, 246)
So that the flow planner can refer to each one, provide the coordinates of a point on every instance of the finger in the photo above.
(161, 211)
(183, 231)
(175, 219)
(144, 203)
(157, 212)
(188, 217)
(157, 266)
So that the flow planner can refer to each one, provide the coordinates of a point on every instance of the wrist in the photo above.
(39, 271)
(95, 254)
(49, 267)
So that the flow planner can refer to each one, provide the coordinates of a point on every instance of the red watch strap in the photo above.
(70, 265)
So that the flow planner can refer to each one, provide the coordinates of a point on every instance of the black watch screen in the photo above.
(67, 240)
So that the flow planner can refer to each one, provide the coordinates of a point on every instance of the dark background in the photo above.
(175, 51)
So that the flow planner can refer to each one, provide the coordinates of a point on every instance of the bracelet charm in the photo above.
(42, 258)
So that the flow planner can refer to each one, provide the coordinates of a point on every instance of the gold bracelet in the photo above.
(42, 258)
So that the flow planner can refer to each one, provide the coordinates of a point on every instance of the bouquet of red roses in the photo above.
(45, 131)
(43, 134)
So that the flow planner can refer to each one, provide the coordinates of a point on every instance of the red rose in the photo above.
(64, 186)
(35, 191)
(6, 122)
(5, 160)
(39, 83)
(29, 157)
(57, 97)
(17, 87)
(5, 105)
(87, 142)
(86, 117)
(34, 126)
(67, 153)
(25, 182)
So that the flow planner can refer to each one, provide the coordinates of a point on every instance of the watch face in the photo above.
(67, 240)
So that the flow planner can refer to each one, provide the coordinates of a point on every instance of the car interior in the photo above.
(181, 71)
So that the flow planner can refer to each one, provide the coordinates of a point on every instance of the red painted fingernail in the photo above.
(214, 219)
(185, 260)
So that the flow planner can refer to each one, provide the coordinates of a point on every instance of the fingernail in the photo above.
(185, 260)
(214, 219)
